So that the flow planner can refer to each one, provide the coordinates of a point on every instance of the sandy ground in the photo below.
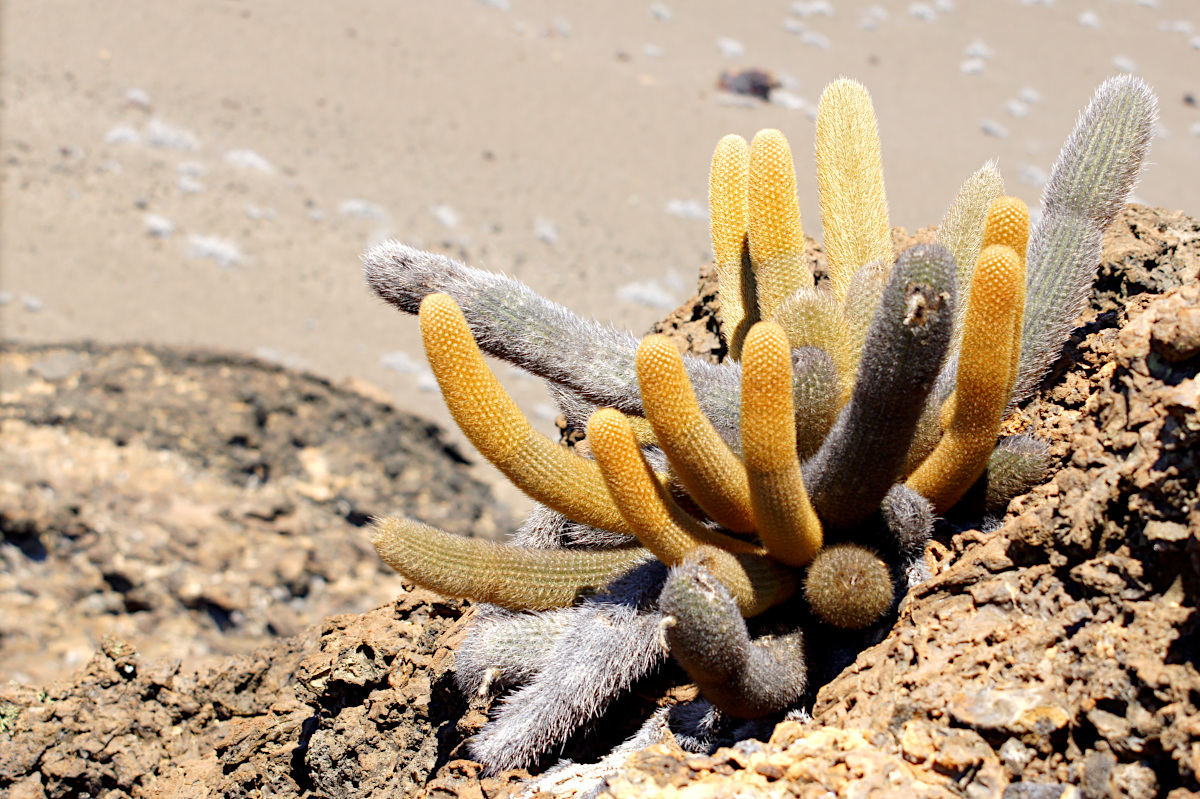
(207, 171)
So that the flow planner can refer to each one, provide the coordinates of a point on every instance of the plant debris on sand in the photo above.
(1055, 650)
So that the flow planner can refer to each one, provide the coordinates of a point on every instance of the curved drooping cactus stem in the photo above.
(783, 516)
(551, 474)
(729, 212)
(612, 640)
(1092, 177)
(775, 234)
(505, 575)
(961, 230)
(812, 317)
(511, 322)
(850, 181)
(865, 452)
(506, 648)
(647, 507)
(708, 637)
(987, 361)
(848, 586)
(709, 471)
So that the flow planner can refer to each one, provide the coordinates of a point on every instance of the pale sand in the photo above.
(549, 118)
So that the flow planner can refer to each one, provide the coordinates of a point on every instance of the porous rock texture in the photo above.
(1052, 654)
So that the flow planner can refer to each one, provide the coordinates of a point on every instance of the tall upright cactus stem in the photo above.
(854, 209)
(776, 236)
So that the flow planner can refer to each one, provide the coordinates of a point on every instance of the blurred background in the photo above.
(207, 172)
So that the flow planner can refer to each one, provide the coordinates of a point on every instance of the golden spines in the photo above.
(658, 522)
(1008, 226)
(784, 517)
(850, 182)
(709, 471)
(729, 214)
(484, 571)
(775, 232)
(986, 370)
(546, 471)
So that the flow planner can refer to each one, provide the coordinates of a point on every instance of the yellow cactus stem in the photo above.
(658, 522)
(708, 470)
(503, 574)
(546, 471)
(755, 582)
(784, 517)
(776, 236)
(984, 382)
(729, 212)
(1008, 224)
(812, 317)
(850, 182)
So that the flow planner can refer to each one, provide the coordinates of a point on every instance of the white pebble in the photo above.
(653, 50)
(815, 39)
(6, 297)
(545, 230)
(138, 97)
(446, 215)
(361, 209)
(189, 185)
(812, 8)
(648, 293)
(873, 17)
(1089, 19)
(993, 128)
(1178, 26)
(660, 12)
(1017, 109)
(122, 134)
(1125, 63)
(790, 101)
(405, 364)
(32, 304)
(503, 5)
(922, 11)
(687, 209)
(978, 48)
(972, 66)
(730, 48)
(223, 251)
(158, 226)
(258, 212)
(248, 159)
(169, 137)
(1029, 95)
(1032, 175)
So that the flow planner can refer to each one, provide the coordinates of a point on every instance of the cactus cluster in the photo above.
(725, 513)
